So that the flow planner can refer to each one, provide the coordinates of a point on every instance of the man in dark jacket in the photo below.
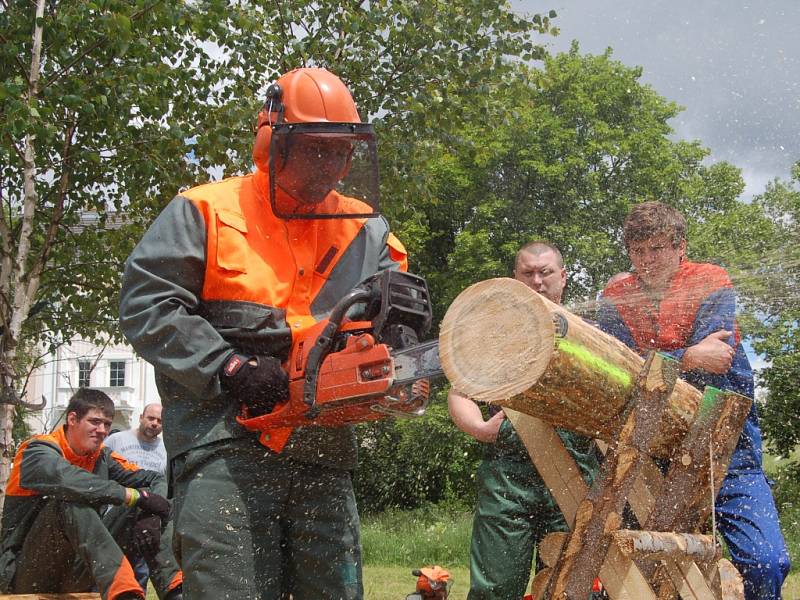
(53, 537)
(228, 276)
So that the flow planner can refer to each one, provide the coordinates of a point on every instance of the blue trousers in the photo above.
(748, 520)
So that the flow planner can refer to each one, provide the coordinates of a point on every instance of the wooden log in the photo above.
(539, 583)
(600, 512)
(686, 495)
(502, 342)
(622, 578)
(647, 486)
(661, 545)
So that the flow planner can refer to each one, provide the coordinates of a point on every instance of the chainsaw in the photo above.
(343, 371)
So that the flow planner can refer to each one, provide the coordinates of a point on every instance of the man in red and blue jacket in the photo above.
(687, 310)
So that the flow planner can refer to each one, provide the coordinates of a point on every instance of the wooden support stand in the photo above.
(634, 564)
(500, 342)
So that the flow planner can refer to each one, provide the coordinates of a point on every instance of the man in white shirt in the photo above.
(143, 445)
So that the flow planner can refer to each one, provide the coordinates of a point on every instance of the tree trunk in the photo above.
(19, 283)
(502, 342)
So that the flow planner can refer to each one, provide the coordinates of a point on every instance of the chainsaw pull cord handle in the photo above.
(322, 347)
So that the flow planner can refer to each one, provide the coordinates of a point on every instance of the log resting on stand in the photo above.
(501, 342)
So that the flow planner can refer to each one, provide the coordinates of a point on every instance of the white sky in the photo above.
(733, 64)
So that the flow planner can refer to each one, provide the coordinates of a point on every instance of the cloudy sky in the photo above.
(733, 64)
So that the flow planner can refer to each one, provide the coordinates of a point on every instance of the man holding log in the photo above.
(687, 310)
(514, 509)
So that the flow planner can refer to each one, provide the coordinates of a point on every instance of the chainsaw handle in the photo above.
(324, 344)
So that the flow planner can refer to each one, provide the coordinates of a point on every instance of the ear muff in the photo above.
(271, 114)
(262, 142)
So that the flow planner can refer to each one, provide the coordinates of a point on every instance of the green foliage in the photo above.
(776, 279)
(137, 100)
(408, 463)
(787, 500)
(759, 244)
(432, 534)
(579, 141)
(20, 431)
(107, 137)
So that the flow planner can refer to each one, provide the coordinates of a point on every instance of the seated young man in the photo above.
(53, 537)
(688, 310)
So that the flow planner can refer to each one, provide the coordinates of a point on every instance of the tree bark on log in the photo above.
(686, 497)
(660, 545)
(730, 581)
(502, 342)
(550, 547)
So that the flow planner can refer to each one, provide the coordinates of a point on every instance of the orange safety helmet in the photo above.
(321, 159)
(305, 95)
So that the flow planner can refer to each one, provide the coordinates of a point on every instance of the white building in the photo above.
(128, 380)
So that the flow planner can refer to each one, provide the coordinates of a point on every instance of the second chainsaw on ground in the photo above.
(347, 370)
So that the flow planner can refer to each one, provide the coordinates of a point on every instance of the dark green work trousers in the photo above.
(164, 569)
(69, 549)
(250, 525)
(514, 512)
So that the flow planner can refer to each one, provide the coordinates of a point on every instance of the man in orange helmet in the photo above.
(213, 295)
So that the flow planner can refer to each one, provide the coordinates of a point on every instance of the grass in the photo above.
(436, 534)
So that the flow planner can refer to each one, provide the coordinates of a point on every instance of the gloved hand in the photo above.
(258, 381)
(147, 536)
(153, 504)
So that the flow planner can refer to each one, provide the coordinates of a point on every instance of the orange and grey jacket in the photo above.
(45, 467)
(218, 272)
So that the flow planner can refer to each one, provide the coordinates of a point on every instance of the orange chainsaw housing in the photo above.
(349, 383)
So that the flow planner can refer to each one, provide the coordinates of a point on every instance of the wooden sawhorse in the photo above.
(668, 558)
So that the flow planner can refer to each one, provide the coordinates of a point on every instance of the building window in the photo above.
(84, 373)
(117, 368)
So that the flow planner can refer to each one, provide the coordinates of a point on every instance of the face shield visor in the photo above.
(323, 171)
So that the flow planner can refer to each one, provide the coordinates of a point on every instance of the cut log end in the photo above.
(519, 354)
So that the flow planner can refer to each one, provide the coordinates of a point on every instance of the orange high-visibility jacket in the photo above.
(45, 468)
(218, 272)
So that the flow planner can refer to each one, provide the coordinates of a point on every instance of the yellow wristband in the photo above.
(133, 499)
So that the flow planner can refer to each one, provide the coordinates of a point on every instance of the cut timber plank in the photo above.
(622, 579)
(647, 486)
(731, 582)
(554, 463)
(688, 580)
(557, 468)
